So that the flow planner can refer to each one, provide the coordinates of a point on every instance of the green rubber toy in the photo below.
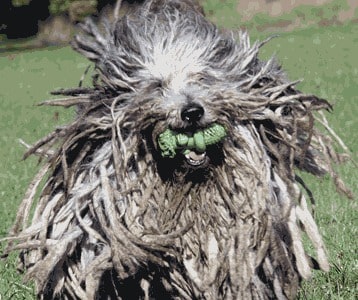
(169, 141)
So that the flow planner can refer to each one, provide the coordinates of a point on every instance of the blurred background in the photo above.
(51, 22)
(317, 41)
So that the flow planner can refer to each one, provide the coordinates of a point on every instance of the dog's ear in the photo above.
(113, 50)
(91, 41)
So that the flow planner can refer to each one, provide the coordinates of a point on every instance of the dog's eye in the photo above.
(158, 84)
(207, 79)
(261, 82)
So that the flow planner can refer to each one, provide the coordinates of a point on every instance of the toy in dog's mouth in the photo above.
(192, 145)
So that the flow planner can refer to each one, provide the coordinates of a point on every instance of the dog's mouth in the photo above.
(192, 145)
(195, 159)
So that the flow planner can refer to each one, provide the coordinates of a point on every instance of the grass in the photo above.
(226, 14)
(27, 79)
(324, 57)
(305, 15)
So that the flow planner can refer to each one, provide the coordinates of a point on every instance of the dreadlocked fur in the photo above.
(116, 220)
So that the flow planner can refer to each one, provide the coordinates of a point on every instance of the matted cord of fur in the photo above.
(115, 219)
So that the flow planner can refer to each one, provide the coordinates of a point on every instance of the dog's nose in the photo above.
(192, 113)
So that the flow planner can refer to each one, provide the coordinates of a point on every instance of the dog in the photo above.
(177, 178)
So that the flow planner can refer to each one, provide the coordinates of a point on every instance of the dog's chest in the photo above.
(210, 239)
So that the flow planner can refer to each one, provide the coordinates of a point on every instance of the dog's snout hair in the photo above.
(178, 177)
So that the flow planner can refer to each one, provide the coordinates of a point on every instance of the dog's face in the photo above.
(188, 111)
(187, 79)
(179, 79)
(192, 142)
(176, 72)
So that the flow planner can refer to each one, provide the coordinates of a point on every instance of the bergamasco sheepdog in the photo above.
(177, 179)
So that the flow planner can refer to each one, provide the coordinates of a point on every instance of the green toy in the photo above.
(170, 141)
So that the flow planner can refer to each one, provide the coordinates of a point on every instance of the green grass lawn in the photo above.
(325, 57)
(26, 79)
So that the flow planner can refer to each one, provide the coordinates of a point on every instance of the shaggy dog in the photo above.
(176, 180)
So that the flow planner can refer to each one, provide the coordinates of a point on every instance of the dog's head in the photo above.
(177, 87)
(177, 82)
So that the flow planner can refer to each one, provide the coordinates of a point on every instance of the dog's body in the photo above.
(116, 219)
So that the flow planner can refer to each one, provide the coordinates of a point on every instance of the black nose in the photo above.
(192, 113)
